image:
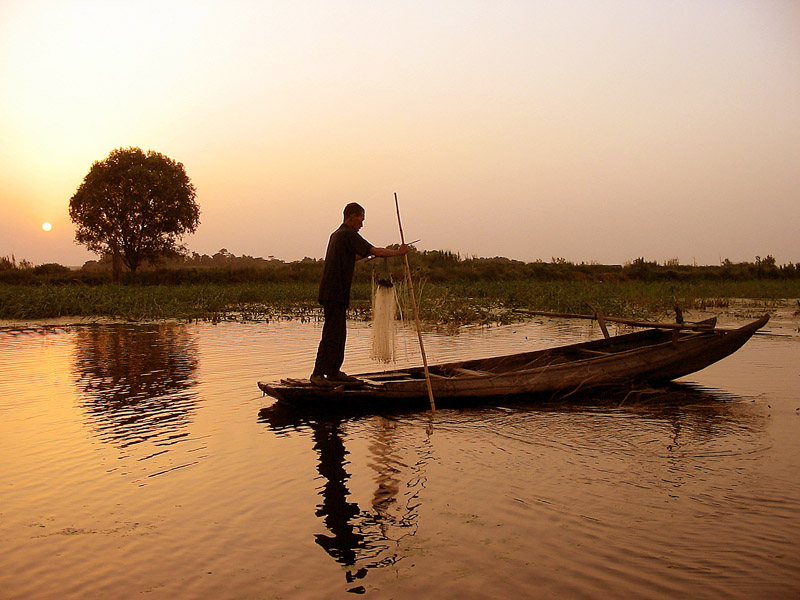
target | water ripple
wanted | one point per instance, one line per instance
(686, 491)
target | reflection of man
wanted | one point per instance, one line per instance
(358, 539)
(345, 247)
(337, 512)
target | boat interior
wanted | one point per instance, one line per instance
(499, 365)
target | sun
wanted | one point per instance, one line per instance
(47, 226)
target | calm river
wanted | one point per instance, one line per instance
(137, 461)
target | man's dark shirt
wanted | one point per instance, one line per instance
(340, 262)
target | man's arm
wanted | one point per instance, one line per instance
(388, 252)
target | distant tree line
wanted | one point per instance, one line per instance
(439, 266)
(134, 207)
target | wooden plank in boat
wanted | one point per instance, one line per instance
(591, 352)
(471, 372)
(390, 375)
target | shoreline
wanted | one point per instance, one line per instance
(784, 313)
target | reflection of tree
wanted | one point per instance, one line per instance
(361, 539)
(137, 381)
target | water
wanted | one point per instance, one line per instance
(136, 461)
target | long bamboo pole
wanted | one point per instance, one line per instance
(416, 312)
(649, 324)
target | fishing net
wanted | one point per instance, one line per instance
(384, 309)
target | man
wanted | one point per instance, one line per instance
(345, 247)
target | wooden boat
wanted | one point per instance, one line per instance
(663, 352)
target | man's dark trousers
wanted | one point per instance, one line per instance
(330, 354)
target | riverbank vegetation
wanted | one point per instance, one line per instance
(452, 289)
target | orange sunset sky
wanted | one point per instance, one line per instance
(592, 131)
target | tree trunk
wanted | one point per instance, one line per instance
(116, 263)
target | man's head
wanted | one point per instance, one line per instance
(354, 215)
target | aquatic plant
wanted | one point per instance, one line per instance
(441, 303)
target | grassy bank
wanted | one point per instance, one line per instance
(455, 302)
(135, 303)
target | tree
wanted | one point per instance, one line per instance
(134, 206)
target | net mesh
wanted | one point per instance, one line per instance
(384, 332)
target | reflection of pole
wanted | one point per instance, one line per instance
(386, 475)
(416, 312)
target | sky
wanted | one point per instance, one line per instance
(539, 129)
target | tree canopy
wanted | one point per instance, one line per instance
(134, 206)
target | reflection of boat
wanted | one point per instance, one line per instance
(686, 423)
(657, 354)
(693, 412)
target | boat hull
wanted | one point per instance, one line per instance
(650, 356)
